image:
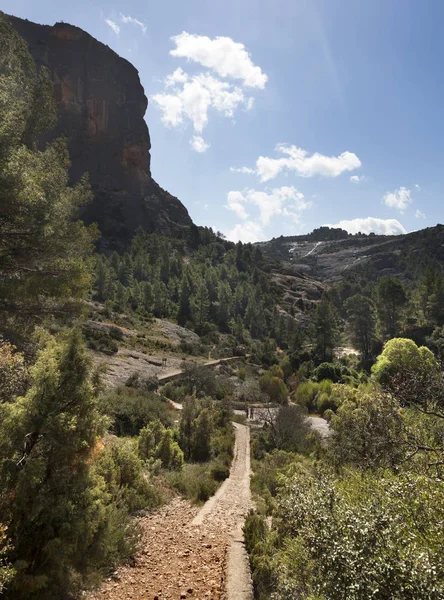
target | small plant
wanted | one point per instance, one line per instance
(220, 472)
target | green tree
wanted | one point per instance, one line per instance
(357, 538)
(361, 317)
(184, 310)
(201, 306)
(367, 432)
(325, 323)
(51, 500)
(391, 299)
(147, 295)
(224, 298)
(157, 442)
(403, 355)
(274, 387)
(43, 244)
(168, 452)
(435, 304)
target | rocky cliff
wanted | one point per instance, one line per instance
(101, 105)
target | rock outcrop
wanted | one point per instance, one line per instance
(101, 105)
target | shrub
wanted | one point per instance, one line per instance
(168, 452)
(100, 341)
(324, 402)
(122, 470)
(260, 551)
(305, 395)
(274, 387)
(131, 409)
(220, 472)
(329, 371)
(194, 481)
(372, 546)
(328, 415)
(116, 333)
(241, 374)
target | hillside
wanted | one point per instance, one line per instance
(306, 265)
(293, 388)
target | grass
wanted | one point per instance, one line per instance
(198, 481)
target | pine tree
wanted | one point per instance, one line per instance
(184, 311)
(361, 316)
(391, 299)
(147, 295)
(160, 299)
(51, 504)
(43, 244)
(325, 322)
(224, 298)
(201, 305)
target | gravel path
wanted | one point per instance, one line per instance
(191, 553)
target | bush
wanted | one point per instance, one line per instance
(328, 415)
(116, 333)
(100, 341)
(122, 470)
(241, 374)
(274, 387)
(13, 373)
(205, 431)
(132, 409)
(305, 395)
(260, 551)
(324, 402)
(372, 545)
(194, 482)
(157, 443)
(220, 472)
(329, 371)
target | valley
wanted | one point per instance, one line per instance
(183, 416)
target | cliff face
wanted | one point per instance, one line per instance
(101, 105)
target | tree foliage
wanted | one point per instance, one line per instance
(391, 299)
(43, 244)
(402, 354)
(362, 321)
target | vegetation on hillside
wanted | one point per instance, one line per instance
(356, 515)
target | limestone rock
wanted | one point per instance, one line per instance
(101, 106)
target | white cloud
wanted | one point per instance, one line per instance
(398, 199)
(286, 201)
(250, 103)
(372, 224)
(248, 232)
(298, 160)
(419, 215)
(199, 144)
(195, 97)
(178, 76)
(417, 187)
(113, 26)
(235, 202)
(242, 170)
(191, 97)
(133, 21)
(221, 54)
(358, 178)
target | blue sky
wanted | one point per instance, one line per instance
(272, 117)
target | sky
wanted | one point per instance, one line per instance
(273, 117)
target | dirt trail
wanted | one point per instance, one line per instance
(191, 553)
